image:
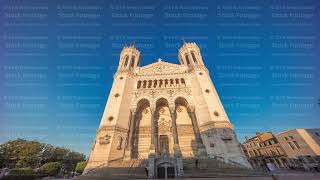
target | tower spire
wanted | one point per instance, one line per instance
(133, 44)
(183, 40)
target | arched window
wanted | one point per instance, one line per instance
(132, 61)
(139, 85)
(126, 61)
(183, 82)
(165, 82)
(155, 82)
(149, 83)
(144, 84)
(177, 82)
(181, 59)
(194, 58)
(161, 82)
(171, 82)
(187, 59)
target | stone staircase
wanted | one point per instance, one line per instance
(134, 169)
(118, 169)
(217, 168)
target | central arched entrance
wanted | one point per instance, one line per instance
(163, 145)
(165, 171)
(163, 130)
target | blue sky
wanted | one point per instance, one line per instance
(58, 59)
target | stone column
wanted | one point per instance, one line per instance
(153, 131)
(131, 130)
(200, 146)
(176, 146)
(152, 152)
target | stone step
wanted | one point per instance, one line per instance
(121, 170)
(219, 172)
(206, 168)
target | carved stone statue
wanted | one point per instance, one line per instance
(105, 139)
(120, 139)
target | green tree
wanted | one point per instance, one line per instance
(80, 166)
(21, 153)
(51, 168)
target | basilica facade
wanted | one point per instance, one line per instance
(164, 113)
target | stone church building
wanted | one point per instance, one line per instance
(163, 115)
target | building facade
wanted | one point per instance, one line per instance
(264, 149)
(302, 147)
(295, 149)
(164, 113)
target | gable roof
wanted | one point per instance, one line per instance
(160, 67)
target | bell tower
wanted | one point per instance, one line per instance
(189, 55)
(129, 58)
(216, 130)
(112, 134)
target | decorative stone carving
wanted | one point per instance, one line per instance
(161, 68)
(105, 139)
(162, 110)
(154, 94)
(170, 92)
(164, 125)
(120, 139)
(111, 128)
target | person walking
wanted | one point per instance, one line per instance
(146, 169)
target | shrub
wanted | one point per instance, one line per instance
(80, 166)
(50, 168)
(22, 172)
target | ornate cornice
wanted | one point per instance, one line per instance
(168, 93)
(112, 128)
(124, 72)
(215, 124)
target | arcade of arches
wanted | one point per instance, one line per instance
(169, 130)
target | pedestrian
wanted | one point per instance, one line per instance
(197, 163)
(147, 172)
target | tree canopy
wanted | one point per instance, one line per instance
(22, 153)
(80, 167)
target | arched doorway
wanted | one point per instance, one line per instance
(165, 171)
(163, 124)
(163, 144)
(142, 125)
(185, 128)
